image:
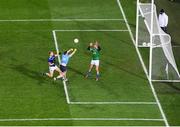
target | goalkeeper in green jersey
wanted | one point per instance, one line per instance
(94, 49)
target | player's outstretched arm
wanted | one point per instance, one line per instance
(57, 53)
(98, 46)
(70, 50)
(50, 63)
(74, 51)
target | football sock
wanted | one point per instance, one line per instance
(58, 77)
(88, 73)
(97, 75)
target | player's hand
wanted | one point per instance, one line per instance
(75, 50)
(96, 43)
(71, 49)
(91, 44)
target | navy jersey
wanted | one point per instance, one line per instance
(51, 60)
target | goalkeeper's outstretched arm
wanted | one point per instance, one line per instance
(73, 52)
(98, 46)
(90, 46)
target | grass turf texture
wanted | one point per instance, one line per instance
(24, 93)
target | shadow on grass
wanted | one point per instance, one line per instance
(76, 71)
(174, 86)
(167, 88)
(22, 69)
(125, 70)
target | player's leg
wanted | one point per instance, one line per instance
(60, 73)
(51, 72)
(64, 77)
(97, 70)
(97, 73)
(63, 70)
(61, 76)
(90, 68)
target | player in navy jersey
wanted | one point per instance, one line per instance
(52, 66)
(64, 61)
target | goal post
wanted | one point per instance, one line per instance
(161, 62)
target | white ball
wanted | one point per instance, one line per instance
(144, 43)
(76, 40)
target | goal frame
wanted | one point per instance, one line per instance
(151, 41)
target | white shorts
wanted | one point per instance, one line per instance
(51, 69)
(95, 62)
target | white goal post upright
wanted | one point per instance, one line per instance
(151, 37)
(137, 22)
(161, 62)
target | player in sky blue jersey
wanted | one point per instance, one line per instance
(64, 61)
(52, 66)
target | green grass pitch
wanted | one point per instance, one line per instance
(122, 96)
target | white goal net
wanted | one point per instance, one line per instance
(161, 61)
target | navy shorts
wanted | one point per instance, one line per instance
(63, 68)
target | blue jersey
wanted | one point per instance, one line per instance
(65, 59)
(51, 60)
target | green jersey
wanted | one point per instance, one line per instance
(95, 53)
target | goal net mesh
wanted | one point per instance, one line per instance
(163, 65)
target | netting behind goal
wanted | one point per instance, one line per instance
(162, 65)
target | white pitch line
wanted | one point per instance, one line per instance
(56, 20)
(56, 46)
(59, 60)
(175, 81)
(82, 119)
(115, 30)
(66, 92)
(141, 46)
(116, 103)
(176, 46)
(143, 65)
